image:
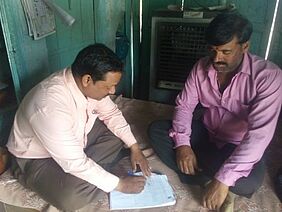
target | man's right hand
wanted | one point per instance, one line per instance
(186, 160)
(131, 184)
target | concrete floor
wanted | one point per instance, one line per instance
(10, 208)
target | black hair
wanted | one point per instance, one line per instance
(96, 60)
(225, 26)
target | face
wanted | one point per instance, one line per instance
(226, 58)
(100, 89)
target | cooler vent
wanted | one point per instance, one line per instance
(178, 43)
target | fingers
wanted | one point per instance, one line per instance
(134, 166)
(191, 166)
(196, 167)
(215, 195)
(131, 184)
(140, 160)
(144, 166)
(139, 183)
(187, 166)
(211, 205)
(186, 160)
(146, 170)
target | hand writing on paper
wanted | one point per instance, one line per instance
(131, 184)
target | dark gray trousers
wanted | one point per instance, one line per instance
(63, 190)
(209, 157)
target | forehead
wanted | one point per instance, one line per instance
(112, 77)
(228, 46)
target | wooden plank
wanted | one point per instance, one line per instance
(69, 40)
(28, 58)
(87, 20)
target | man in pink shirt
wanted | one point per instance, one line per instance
(241, 97)
(68, 133)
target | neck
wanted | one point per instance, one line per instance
(78, 82)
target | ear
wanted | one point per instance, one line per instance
(86, 80)
(245, 46)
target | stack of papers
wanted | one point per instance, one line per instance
(40, 19)
(157, 193)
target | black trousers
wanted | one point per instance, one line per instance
(65, 191)
(209, 157)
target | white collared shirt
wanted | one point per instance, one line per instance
(53, 120)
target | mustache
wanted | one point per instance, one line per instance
(219, 63)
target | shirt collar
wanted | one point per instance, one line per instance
(245, 65)
(78, 96)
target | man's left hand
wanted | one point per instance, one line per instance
(215, 195)
(138, 158)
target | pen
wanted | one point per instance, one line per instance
(130, 173)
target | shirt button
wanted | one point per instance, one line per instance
(93, 111)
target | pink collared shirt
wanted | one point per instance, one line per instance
(245, 114)
(53, 120)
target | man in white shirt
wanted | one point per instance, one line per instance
(67, 133)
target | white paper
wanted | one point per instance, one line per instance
(157, 193)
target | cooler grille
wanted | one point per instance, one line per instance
(178, 47)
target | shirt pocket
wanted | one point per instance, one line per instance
(236, 107)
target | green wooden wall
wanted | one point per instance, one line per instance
(259, 12)
(31, 61)
(97, 21)
(28, 59)
(112, 16)
(5, 72)
(64, 45)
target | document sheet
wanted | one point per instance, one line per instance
(157, 193)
